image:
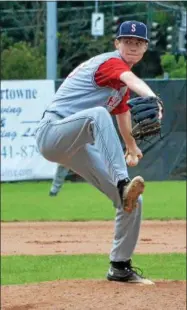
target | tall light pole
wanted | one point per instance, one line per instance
(96, 6)
(96, 11)
(51, 38)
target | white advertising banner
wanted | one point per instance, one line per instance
(22, 106)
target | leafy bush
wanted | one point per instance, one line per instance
(22, 61)
(175, 69)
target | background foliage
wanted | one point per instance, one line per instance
(23, 42)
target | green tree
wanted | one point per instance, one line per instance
(22, 61)
(83, 47)
(176, 68)
(23, 20)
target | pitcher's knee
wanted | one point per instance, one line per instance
(49, 155)
(101, 111)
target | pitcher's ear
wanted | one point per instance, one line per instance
(146, 46)
(116, 43)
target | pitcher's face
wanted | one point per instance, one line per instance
(131, 49)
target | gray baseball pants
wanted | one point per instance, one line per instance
(59, 178)
(87, 143)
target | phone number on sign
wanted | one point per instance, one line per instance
(24, 151)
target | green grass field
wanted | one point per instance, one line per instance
(29, 201)
(29, 269)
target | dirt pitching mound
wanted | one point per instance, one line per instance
(83, 295)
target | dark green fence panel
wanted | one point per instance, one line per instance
(165, 159)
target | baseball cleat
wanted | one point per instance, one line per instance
(128, 274)
(131, 193)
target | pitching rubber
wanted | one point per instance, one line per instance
(132, 192)
(142, 281)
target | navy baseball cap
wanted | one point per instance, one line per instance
(133, 29)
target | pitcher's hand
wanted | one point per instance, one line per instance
(134, 151)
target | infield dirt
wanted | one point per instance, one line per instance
(42, 238)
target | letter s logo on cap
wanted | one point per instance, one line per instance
(133, 28)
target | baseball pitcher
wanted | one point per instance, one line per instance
(77, 132)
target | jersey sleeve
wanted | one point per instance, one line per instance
(108, 73)
(122, 106)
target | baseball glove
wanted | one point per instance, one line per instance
(146, 113)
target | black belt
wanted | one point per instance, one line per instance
(53, 112)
